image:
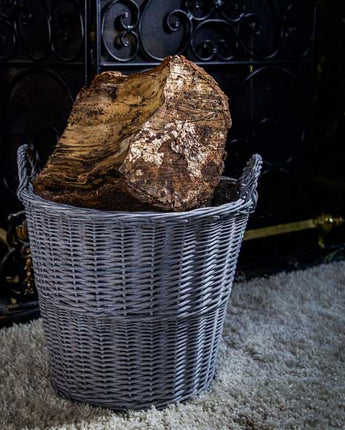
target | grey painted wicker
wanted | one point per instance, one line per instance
(133, 303)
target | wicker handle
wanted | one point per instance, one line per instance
(27, 160)
(247, 184)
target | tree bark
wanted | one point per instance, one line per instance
(152, 140)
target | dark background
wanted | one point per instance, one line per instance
(281, 63)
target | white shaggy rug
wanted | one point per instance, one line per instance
(281, 366)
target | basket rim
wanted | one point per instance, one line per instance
(29, 196)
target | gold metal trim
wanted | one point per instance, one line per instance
(3, 235)
(324, 223)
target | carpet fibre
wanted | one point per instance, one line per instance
(281, 366)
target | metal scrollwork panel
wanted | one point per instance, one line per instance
(299, 29)
(265, 113)
(119, 30)
(233, 10)
(39, 42)
(7, 40)
(164, 31)
(7, 8)
(214, 39)
(268, 119)
(41, 30)
(67, 29)
(207, 31)
(43, 64)
(31, 117)
(32, 27)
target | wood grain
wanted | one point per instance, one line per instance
(149, 140)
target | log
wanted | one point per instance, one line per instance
(152, 140)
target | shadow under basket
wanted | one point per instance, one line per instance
(133, 304)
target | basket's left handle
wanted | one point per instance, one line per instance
(247, 184)
(27, 160)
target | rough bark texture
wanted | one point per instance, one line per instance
(150, 140)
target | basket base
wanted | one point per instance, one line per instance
(123, 406)
(125, 365)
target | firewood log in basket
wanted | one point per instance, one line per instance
(152, 140)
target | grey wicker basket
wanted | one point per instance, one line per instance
(133, 304)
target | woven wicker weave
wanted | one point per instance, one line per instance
(133, 303)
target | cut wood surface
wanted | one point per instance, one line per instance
(152, 140)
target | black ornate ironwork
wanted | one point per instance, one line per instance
(33, 29)
(222, 48)
(67, 30)
(37, 30)
(213, 31)
(44, 61)
(7, 39)
(124, 34)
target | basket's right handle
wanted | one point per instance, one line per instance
(27, 160)
(247, 183)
